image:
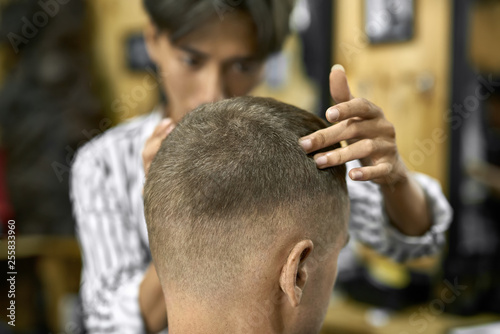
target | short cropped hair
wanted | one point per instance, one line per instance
(178, 18)
(231, 180)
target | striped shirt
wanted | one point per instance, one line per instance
(106, 191)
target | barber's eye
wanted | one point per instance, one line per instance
(244, 67)
(191, 61)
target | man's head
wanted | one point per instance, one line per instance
(237, 213)
(207, 50)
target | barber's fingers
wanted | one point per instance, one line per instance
(351, 129)
(359, 150)
(163, 128)
(357, 107)
(339, 87)
(153, 143)
(380, 171)
(351, 117)
(160, 132)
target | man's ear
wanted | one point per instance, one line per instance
(293, 276)
(152, 37)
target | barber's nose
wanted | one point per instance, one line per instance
(214, 89)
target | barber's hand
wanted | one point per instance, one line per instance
(153, 143)
(370, 136)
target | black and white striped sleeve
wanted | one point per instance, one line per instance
(113, 258)
(370, 224)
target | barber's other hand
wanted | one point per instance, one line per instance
(370, 136)
(153, 143)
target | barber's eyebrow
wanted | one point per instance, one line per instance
(201, 54)
(195, 52)
(348, 237)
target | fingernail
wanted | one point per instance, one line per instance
(357, 175)
(322, 160)
(166, 121)
(332, 114)
(170, 128)
(306, 144)
(338, 67)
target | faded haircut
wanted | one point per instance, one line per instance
(178, 18)
(228, 183)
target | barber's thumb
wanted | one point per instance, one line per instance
(339, 87)
(169, 129)
(166, 122)
(166, 126)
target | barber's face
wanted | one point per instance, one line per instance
(214, 62)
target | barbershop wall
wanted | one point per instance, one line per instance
(127, 92)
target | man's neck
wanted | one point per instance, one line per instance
(256, 318)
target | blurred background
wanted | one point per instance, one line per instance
(433, 66)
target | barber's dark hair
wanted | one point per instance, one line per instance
(180, 17)
(232, 180)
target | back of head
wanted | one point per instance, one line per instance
(230, 183)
